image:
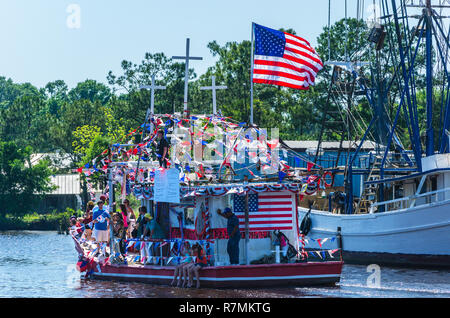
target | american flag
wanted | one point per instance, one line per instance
(268, 211)
(284, 59)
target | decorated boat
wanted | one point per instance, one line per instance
(262, 261)
(214, 163)
(185, 199)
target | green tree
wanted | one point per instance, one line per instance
(21, 185)
(27, 122)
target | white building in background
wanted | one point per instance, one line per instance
(68, 187)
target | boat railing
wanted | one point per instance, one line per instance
(402, 203)
(162, 251)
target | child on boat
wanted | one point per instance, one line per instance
(87, 222)
(185, 261)
(75, 228)
(119, 232)
(200, 262)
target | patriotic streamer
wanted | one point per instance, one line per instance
(222, 125)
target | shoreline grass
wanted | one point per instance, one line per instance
(55, 221)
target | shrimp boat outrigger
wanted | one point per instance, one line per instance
(184, 201)
(401, 215)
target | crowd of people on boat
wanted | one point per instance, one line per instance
(94, 226)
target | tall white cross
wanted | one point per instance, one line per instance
(214, 88)
(186, 75)
(152, 88)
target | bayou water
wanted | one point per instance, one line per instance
(42, 264)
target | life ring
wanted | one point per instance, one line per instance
(327, 185)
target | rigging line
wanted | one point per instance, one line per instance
(360, 122)
(407, 34)
(356, 121)
(344, 119)
(413, 78)
(386, 12)
(351, 114)
(445, 75)
(346, 32)
(329, 41)
(362, 10)
(357, 10)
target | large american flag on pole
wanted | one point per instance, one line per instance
(284, 59)
(268, 211)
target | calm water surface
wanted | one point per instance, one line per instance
(42, 264)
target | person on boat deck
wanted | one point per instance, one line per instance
(200, 262)
(123, 214)
(101, 223)
(186, 259)
(89, 208)
(234, 236)
(119, 231)
(162, 148)
(105, 205)
(141, 222)
(75, 228)
(87, 220)
(131, 217)
(283, 241)
(153, 230)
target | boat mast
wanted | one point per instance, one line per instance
(110, 205)
(429, 67)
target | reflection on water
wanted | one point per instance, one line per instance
(42, 264)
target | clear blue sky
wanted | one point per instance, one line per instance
(37, 46)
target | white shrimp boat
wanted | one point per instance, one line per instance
(413, 230)
(402, 215)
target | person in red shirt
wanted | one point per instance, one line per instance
(87, 234)
(200, 262)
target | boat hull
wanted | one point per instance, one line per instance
(237, 276)
(412, 237)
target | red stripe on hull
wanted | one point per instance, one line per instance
(240, 276)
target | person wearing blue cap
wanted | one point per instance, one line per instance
(234, 236)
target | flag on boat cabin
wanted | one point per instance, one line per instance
(268, 211)
(284, 59)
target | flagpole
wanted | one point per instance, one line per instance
(251, 77)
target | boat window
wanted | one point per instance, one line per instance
(433, 180)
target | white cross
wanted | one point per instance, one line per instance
(152, 88)
(214, 88)
(186, 75)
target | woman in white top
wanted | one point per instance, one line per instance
(131, 217)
